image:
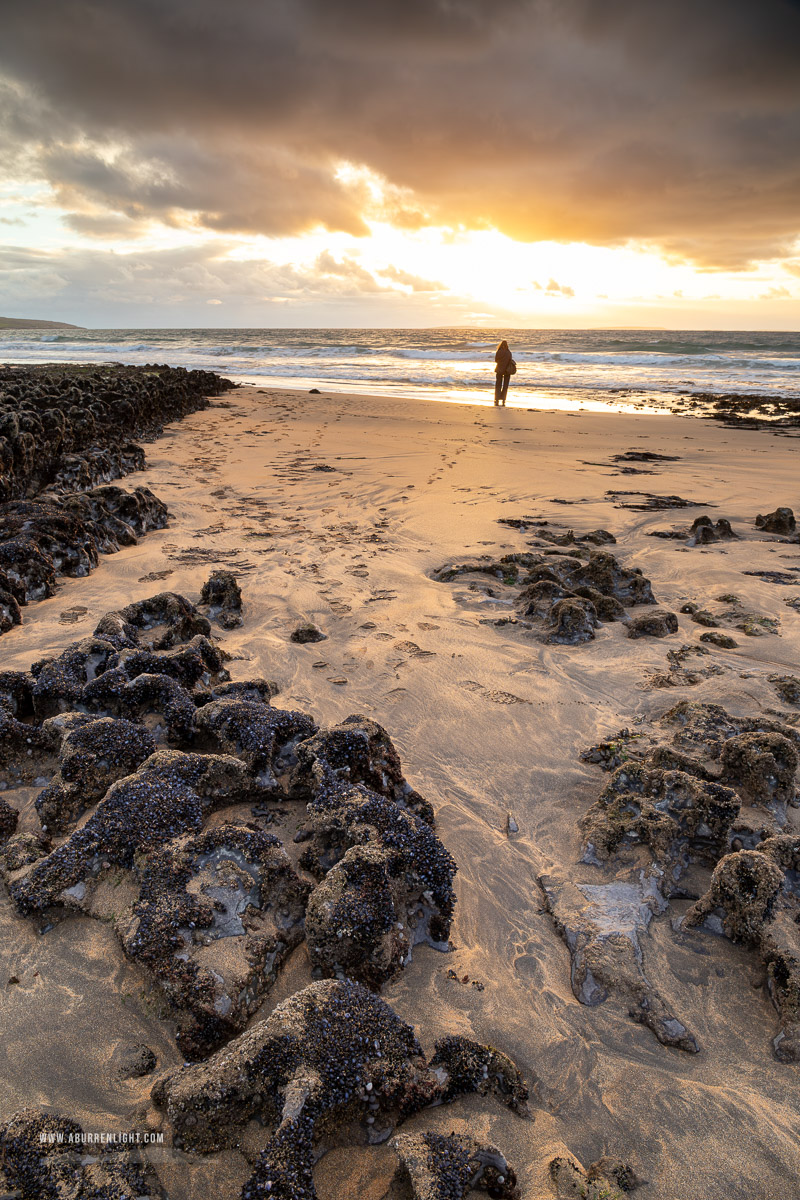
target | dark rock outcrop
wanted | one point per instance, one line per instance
(307, 632)
(223, 596)
(46, 1157)
(754, 898)
(331, 1059)
(136, 833)
(659, 623)
(387, 884)
(564, 596)
(781, 521)
(70, 427)
(435, 1167)
(763, 768)
(679, 817)
(63, 432)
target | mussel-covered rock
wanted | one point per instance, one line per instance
(265, 738)
(436, 1167)
(677, 816)
(658, 623)
(781, 521)
(170, 794)
(223, 598)
(562, 595)
(307, 632)
(573, 621)
(47, 1157)
(358, 750)
(216, 916)
(763, 768)
(92, 756)
(330, 1059)
(392, 886)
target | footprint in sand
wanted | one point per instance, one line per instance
(496, 697)
(413, 650)
(70, 615)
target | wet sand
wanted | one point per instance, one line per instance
(487, 719)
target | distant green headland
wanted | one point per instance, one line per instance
(26, 323)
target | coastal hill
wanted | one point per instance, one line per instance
(32, 323)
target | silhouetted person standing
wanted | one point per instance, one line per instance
(503, 370)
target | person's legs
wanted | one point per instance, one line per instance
(504, 389)
(498, 383)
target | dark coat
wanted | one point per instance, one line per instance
(503, 360)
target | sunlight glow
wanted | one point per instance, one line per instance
(444, 274)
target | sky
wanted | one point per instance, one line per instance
(553, 163)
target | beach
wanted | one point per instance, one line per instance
(341, 510)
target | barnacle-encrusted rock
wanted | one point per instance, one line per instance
(158, 701)
(47, 1157)
(10, 602)
(704, 729)
(605, 573)
(447, 1168)
(170, 794)
(332, 1057)
(602, 925)
(216, 916)
(754, 897)
(167, 619)
(211, 908)
(59, 684)
(563, 595)
(704, 531)
(8, 820)
(122, 516)
(188, 663)
(21, 850)
(763, 768)
(64, 535)
(607, 1179)
(723, 640)
(472, 1068)
(16, 693)
(259, 690)
(92, 756)
(780, 950)
(133, 1060)
(358, 750)
(742, 895)
(678, 816)
(27, 569)
(574, 621)
(307, 632)
(27, 752)
(223, 596)
(787, 687)
(388, 884)
(659, 623)
(70, 427)
(780, 521)
(265, 738)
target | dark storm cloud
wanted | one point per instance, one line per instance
(677, 123)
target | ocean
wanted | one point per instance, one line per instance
(578, 368)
